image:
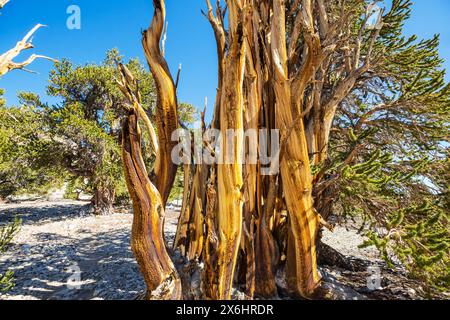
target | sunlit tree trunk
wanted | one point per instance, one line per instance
(230, 175)
(147, 240)
(147, 236)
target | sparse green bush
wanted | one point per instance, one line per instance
(7, 234)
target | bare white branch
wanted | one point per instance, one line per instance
(6, 60)
(2, 3)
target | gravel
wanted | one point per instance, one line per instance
(63, 252)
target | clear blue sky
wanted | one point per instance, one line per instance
(114, 23)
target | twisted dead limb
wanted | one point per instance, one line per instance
(2, 3)
(166, 112)
(6, 60)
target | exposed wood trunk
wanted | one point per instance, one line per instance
(166, 119)
(147, 236)
(302, 274)
(229, 173)
(103, 201)
(149, 199)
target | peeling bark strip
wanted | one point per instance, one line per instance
(167, 119)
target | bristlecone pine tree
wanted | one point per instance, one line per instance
(6, 65)
(10, 146)
(339, 82)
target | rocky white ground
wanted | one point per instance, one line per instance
(60, 243)
(61, 240)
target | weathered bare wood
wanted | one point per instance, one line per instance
(135, 101)
(230, 175)
(147, 236)
(6, 60)
(3, 3)
(167, 119)
(219, 33)
(303, 276)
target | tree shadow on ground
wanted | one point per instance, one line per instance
(31, 213)
(103, 262)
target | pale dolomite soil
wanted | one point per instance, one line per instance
(346, 240)
(61, 238)
(58, 237)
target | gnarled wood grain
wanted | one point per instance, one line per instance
(166, 111)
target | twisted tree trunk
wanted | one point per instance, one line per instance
(149, 198)
(244, 221)
(147, 236)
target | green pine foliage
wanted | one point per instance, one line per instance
(7, 234)
(85, 126)
(389, 162)
(76, 140)
(24, 152)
